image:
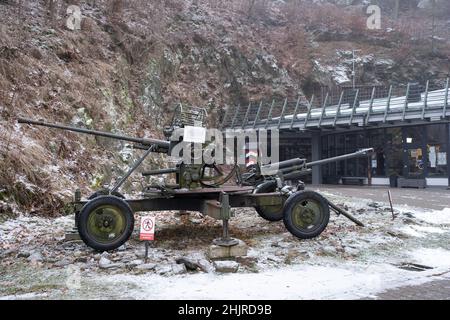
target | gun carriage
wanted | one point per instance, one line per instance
(105, 220)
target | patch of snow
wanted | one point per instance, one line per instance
(420, 231)
(299, 282)
(436, 258)
(436, 216)
(411, 231)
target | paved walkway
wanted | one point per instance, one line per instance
(430, 198)
(434, 290)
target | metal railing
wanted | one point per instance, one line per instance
(347, 107)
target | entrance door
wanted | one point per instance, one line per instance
(415, 163)
(414, 152)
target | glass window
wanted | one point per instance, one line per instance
(332, 153)
(340, 143)
(325, 168)
(378, 159)
(415, 163)
(350, 146)
(361, 162)
(394, 151)
(413, 136)
(437, 150)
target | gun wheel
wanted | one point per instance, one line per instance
(272, 213)
(105, 223)
(306, 214)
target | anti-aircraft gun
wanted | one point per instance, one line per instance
(105, 219)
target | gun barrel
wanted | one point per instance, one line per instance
(360, 153)
(284, 164)
(159, 171)
(163, 146)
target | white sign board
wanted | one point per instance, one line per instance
(147, 231)
(442, 159)
(432, 157)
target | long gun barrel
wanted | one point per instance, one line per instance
(294, 168)
(359, 153)
(162, 146)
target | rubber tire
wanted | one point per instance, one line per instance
(268, 187)
(92, 205)
(300, 197)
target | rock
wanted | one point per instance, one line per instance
(226, 266)
(62, 263)
(178, 268)
(122, 248)
(329, 250)
(165, 269)
(196, 221)
(205, 265)
(23, 254)
(35, 257)
(7, 252)
(81, 259)
(397, 234)
(215, 252)
(77, 254)
(239, 250)
(72, 236)
(104, 263)
(285, 245)
(408, 215)
(189, 264)
(146, 266)
(218, 252)
(140, 253)
(305, 254)
(135, 263)
(374, 205)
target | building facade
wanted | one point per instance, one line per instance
(411, 152)
(408, 127)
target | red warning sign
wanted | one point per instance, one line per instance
(147, 228)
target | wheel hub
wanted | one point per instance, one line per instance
(307, 214)
(106, 223)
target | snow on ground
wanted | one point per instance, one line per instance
(436, 216)
(345, 262)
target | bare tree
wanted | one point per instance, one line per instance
(51, 6)
(433, 26)
(396, 8)
(116, 9)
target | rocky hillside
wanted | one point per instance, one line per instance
(133, 61)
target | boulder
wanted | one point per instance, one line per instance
(227, 266)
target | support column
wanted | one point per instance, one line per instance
(316, 150)
(448, 155)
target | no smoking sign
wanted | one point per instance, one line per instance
(147, 231)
